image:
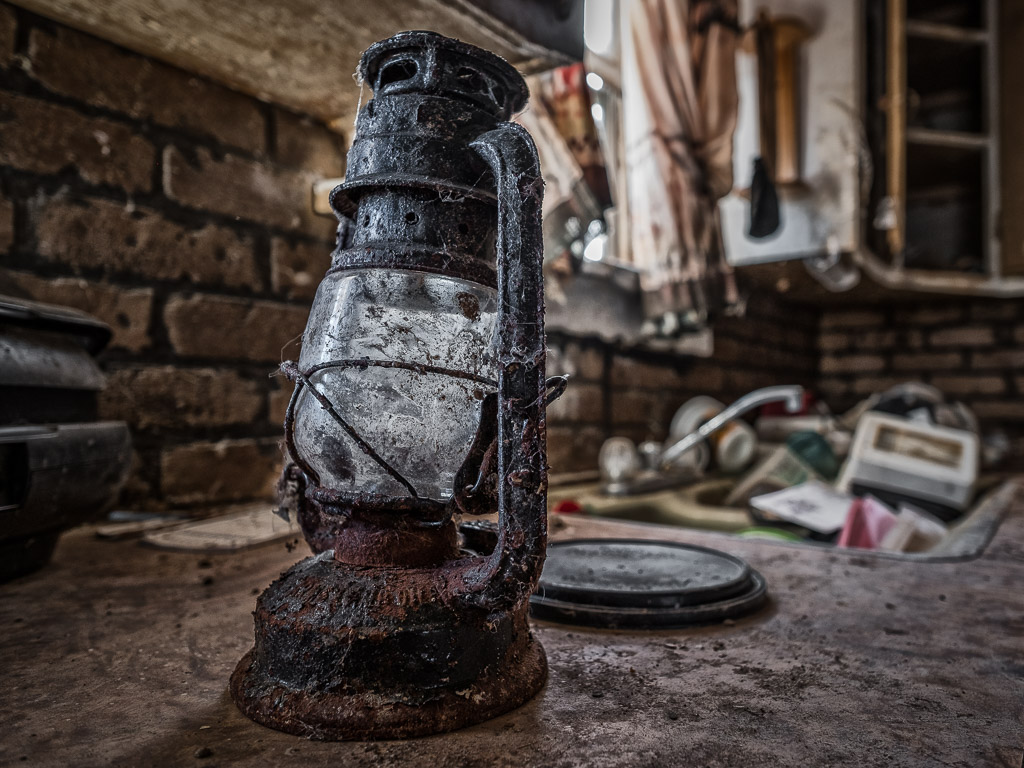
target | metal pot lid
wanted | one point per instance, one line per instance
(640, 583)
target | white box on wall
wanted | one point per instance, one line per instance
(831, 136)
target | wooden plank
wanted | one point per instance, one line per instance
(947, 32)
(301, 54)
(951, 139)
(993, 194)
(790, 33)
(896, 128)
(1011, 117)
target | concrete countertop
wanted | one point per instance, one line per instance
(119, 655)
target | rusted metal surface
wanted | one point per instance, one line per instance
(59, 465)
(378, 652)
(392, 630)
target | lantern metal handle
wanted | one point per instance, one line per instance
(510, 573)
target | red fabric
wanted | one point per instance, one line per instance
(867, 522)
(567, 507)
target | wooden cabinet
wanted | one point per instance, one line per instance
(935, 81)
(1011, 130)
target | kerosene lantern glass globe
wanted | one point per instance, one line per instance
(421, 423)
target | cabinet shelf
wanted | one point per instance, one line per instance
(951, 139)
(947, 32)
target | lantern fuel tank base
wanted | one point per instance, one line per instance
(361, 653)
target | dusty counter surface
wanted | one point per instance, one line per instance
(119, 655)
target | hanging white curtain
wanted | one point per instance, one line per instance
(679, 113)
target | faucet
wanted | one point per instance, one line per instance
(660, 472)
(792, 394)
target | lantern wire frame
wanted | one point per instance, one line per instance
(303, 379)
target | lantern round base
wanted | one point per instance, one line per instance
(363, 717)
(354, 663)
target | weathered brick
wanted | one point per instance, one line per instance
(579, 403)
(170, 397)
(585, 362)
(749, 329)
(876, 341)
(781, 360)
(573, 449)
(930, 315)
(8, 31)
(101, 74)
(869, 385)
(246, 189)
(234, 329)
(967, 336)
(140, 490)
(581, 363)
(297, 269)
(1002, 358)
(228, 470)
(1015, 460)
(730, 350)
(779, 313)
(799, 338)
(304, 143)
(634, 406)
(998, 309)
(739, 381)
(628, 372)
(706, 376)
(47, 138)
(277, 400)
(831, 388)
(852, 318)
(835, 341)
(852, 363)
(125, 310)
(6, 223)
(970, 385)
(1008, 410)
(927, 361)
(97, 234)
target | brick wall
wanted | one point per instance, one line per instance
(177, 211)
(635, 393)
(973, 350)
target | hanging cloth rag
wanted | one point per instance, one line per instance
(680, 102)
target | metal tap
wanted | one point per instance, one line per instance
(792, 394)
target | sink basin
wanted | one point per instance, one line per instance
(700, 506)
(678, 507)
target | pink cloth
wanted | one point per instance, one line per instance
(867, 522)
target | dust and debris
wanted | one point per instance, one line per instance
(469, 304)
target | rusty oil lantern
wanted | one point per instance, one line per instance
(419, 397)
